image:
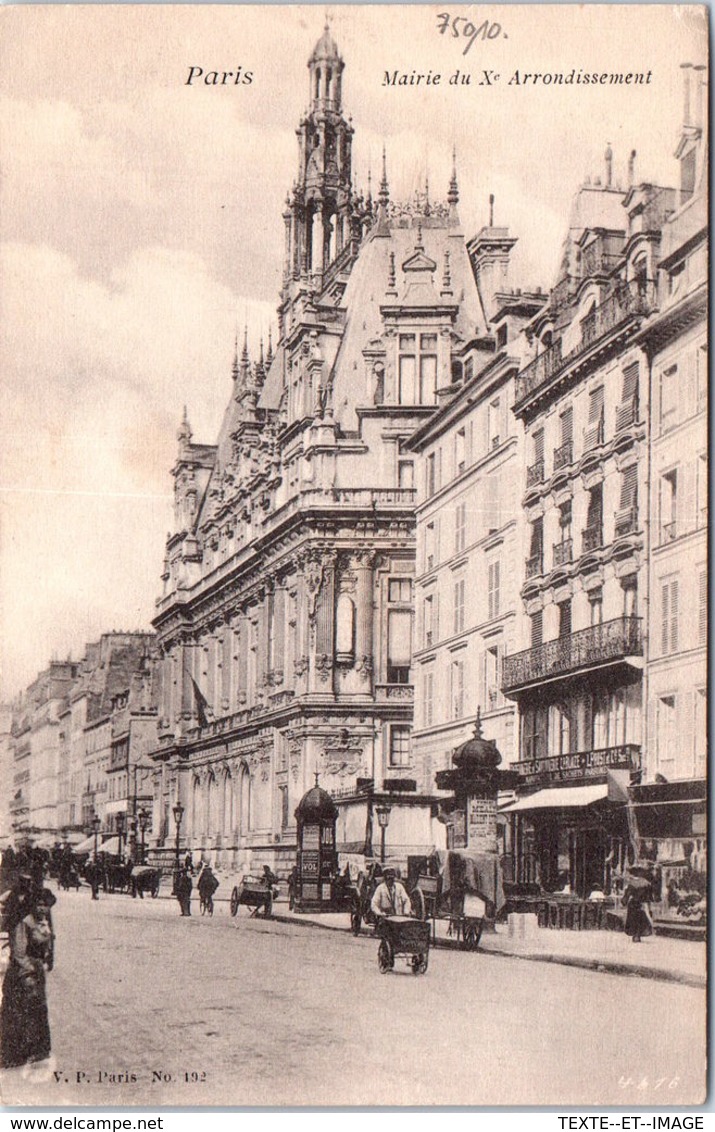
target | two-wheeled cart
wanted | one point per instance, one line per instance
(255, 894)
(403, 936)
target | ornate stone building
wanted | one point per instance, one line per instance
(285, 624)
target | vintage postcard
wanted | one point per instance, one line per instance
(353, 572)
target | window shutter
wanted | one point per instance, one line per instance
(630, 382)
(702, 607)
(665, 617)
(595, 508)
(629, 486)
(674, 616)
(537, 629)
(537, 538)
(595, 405)
(539, 446)
(567, 426)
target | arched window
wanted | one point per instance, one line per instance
(345, 630)
(212, 818)
(229, 804)
(195, 808)
(244, 800)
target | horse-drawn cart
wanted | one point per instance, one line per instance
(255, 893)
(460, 886)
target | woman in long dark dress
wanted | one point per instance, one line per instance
(637, 894)
(24, 1021)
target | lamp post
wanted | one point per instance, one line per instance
(178, 815)
(94, 876)
(383, 820)
(119, 821)
(143, 822)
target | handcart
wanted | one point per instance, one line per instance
(255, 893)
(403, 935)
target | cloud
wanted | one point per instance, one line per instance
(95, 378)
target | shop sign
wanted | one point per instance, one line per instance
(482, 824)
(582, 766)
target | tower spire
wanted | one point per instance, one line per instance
(453, 191)
(384, 193)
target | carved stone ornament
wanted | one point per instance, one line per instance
(364, 666)
(324, 666)
(348, 582)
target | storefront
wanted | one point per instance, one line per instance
(572, 822)
(670, 825)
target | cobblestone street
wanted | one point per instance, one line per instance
(257, 1012)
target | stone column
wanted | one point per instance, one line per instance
(365, 617)
(322, 613)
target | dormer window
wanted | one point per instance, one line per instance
(417, 369)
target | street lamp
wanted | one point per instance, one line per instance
(143, 822)
(96, 822)
(119, 821)
(383, 820)
(178, 815)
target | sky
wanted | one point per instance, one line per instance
(140, 229)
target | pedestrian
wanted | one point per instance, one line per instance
(93, 875)
(390, 898)
(182, 890)
(207, 885)
(24, 1019)
(636, 897)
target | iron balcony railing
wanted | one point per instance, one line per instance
(628, 300)
(609, 641)
(535, 474)
(534, 565)
(563, 552)
(591, 538)
(563, 455)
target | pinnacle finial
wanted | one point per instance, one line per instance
(609, 165)
(447, 278)
(453, 192)
(384, 194)
(184, 433)
(427, 205)
(419, 246)
(491, 210)
(317, 775)
(478, 724)
(391, 278)
(234, 368)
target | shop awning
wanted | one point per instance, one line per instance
(560, 798)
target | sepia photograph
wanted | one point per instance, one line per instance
(353, 555)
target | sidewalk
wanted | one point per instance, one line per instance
(670, 960)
